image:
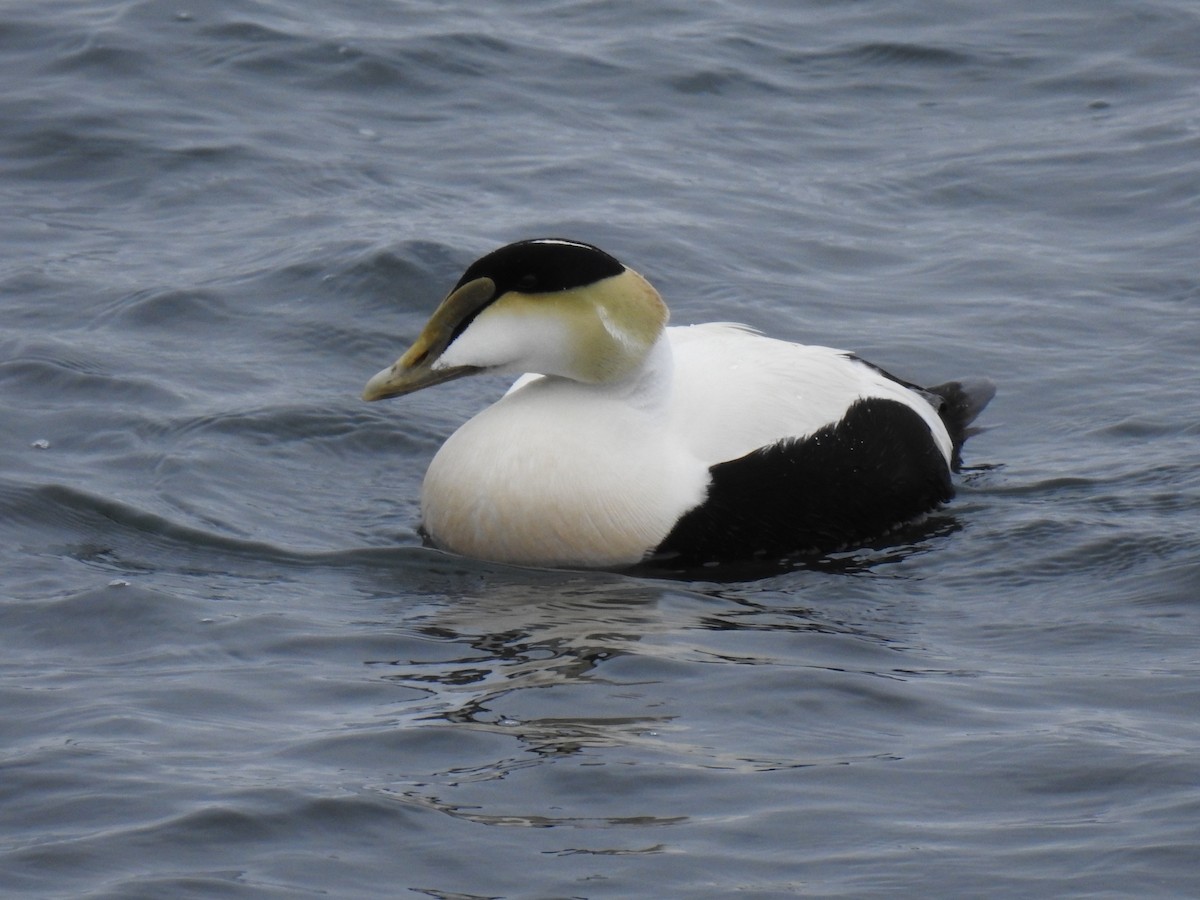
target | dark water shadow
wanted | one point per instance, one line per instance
(900, 544)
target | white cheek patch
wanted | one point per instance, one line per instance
(508, 341)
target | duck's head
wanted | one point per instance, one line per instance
(549, 306)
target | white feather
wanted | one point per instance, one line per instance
(736, 390)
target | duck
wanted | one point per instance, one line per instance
(625, 440)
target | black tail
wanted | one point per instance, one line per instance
(961, 402)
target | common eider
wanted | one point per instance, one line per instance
(635, 441)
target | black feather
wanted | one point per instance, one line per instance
(850, 481)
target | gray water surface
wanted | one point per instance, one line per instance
(229, 667)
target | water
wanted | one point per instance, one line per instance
(229, 668)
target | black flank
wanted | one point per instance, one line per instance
(848, 482)
(957, 403)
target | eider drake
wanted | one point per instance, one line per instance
(635, 441)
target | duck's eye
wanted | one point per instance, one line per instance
(527, 284)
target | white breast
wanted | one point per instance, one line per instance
(557, 473)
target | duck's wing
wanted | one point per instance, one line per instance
(855, 479)
(736, 391)
(808, 448)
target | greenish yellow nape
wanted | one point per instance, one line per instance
(609, 325)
